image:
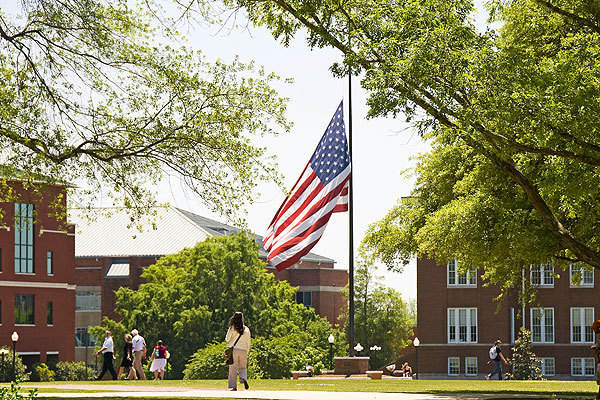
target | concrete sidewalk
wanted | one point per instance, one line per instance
(116, 391)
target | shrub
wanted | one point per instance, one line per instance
(207, 363)
(14, 392)
(73, 371)
(525, 364)
(6, 365)
(271, 358)
(41, 373)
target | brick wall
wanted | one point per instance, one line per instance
(50, 234)
(495, 320)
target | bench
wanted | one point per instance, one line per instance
(299, 374)
(374, 374)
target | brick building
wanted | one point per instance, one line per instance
(37, 275)
(109, 255)
(458, 321)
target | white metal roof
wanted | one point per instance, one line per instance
(106, 233)
(110, 235)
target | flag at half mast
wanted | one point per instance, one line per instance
(321, 190)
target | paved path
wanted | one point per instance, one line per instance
(116, 391)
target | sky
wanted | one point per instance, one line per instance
(382, 147)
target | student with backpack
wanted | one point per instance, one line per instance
(497, 357)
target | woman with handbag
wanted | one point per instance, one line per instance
(238, 338)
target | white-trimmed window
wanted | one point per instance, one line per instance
(457, 279)
(470, 366)
(24, 309)
(583, 367)
(24, 227)
(453, 366)
(542, 325)
(548, 368)
(462, 325)
(49, 263)
(542, 274)
(581, 275)
(581, 320)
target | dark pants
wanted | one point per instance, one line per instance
(498, 369)
(108, 365)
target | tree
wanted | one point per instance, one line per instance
(89, 96)
(511, 113)
(381, 317)
(188, 298)
(525, 364)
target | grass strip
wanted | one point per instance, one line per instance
(570, 388)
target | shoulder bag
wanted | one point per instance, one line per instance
(229, 352)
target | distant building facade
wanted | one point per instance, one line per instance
(110, 256)
(37, 275)
(458, 321)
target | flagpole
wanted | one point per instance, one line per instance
(350, 222)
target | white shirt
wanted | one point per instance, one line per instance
(138, 343)
(108, 345)
(232, 335)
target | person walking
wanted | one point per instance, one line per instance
(596, 349)
(497, 357)
(238, 337)
(159, 360)
(127, 361)
(108, 352)
(139, 352)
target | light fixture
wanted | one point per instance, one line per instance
(331, 339)
(15, 337)
(416, 342)
(358, 348)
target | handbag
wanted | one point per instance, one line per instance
(229, 352)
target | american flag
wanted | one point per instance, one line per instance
(321, 190)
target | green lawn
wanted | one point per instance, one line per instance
(573, 388)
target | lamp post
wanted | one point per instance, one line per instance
(374, 349)
(331, 339)
(3, 352)
(358, 348)
(15, 339)
(167, 356)
(417, 343)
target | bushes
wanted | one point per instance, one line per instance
(525, 364)
(207, 363)
(273, 358)
(14, 392)
(73, 371)
(6, 364)
(41, 373)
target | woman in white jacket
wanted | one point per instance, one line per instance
(239, 332)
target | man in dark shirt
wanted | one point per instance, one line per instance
(498, 361)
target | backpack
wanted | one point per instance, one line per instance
(493, 352)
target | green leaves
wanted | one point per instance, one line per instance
(189, 297)
(87, 98)
(381, 317)
(513, 175)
